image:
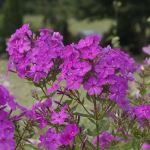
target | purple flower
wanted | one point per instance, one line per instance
(105, 138)
(93, 86)
(7, 144)
(4, 95)
(40, 112)
(90, 53)
(89, 47)
(46, 48)
(6, 98)
(124, 104)
(72, 129)
(104, 71)
(69, 133)
(69, 52)
(81, 68)
(6, 132)
(60, 117)
(147, 61)
(20, 41)
(88, 41)
(142, 112)
(19, 48)
(53, 89)
(50, 140)
(32, 57)
(145, 146)
(66, 138)
(85, 63)
(146, 49)
(74, 82)
(118, 92)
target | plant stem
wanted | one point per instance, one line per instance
(22, 135)
(84, 107)
(76, 99)
(97, 123)
(43, 91)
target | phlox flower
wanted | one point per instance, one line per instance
(105, 138)
(145, 146)
(69, 133)
(60, 117)
(93, 86)
(142, 112)
(50, 140)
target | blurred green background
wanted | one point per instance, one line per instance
(124, 23)
(128, 20)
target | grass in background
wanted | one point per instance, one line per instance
(18, 87)
(100, 27)
(75, 26)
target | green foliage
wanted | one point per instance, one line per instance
(56, 13)
(123, 146)
(12, 16)
(104, 125)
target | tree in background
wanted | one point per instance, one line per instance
(12, 19)
(57, 13)
(130, 15)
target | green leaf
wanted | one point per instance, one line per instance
(82, 115)
(88, 97)
(31, 147)
(83, 100)
(91, 132)
(74, 108)
(143, 91)
(92, 121)
(136, 144)
(137, 133)
(123, 146)
(68, 102)
(43, 97)
(90, 146)
(104, 125)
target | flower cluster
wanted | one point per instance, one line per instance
(40, 112)
(85, 63)
(52, 140)
(97, 69)
(44, 114)
(77, 61)
(33, 57)
(65, 70)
